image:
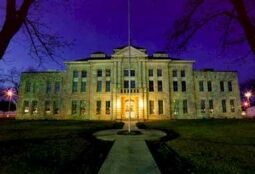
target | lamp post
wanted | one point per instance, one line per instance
(248, 95)
(9, 94)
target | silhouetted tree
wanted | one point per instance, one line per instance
(229, 14)
(16, 17)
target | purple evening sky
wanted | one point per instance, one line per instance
(101, 25)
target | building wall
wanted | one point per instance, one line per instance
(180, 87)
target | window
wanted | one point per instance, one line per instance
(183, 73)
(108, 73)
(150, 72)
(57, 87)
(232, 105)
(48, 88)
(107, 107)
(34, 107)
(82, 107)
(126, 73)
(160, 86)
(211, 106)
(160, 107)
(174, 73)
(185, 106)
(224, 107)
(230, 86)
(151, 103)
(132, 83)
(56, 107)
(99, 86)
(176, 107)
(83, 86)
(183, 86)
(159, 72)
(75, 74)
(47, 107)
(151, 86)
(175, 85)
(74, 107)
(132, 73)
(221, 86)
(126, 84)
(99, 73)
(83, 74)
(209, 86)
(201, 86)
(26, 107)
(202, 106)
(99, 107)
(28, 87)
(107, 86)
(75, 87)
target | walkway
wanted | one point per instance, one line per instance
(129, 153)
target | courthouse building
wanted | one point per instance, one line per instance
(97, 88)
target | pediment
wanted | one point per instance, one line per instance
(124, 52)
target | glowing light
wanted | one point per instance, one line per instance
(9, 93)
(246, 104)
(118, 103)
(243, 113)
(141, 103)
(248, 94)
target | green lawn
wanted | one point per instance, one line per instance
(52, 146)
(211, 146)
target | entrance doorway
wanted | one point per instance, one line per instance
(131, 108)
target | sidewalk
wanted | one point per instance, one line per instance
(129, 153)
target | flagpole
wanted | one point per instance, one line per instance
(129, 66)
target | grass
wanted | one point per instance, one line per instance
(52, 146)
(210, 146)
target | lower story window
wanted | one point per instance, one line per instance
(56, 107)
(74, 107)
(176, 107)
(224, 107)
(34, 107)
(47, 107)
(83, 109)
(151, 102)
(99, 107)
(202, 106)
(107, 107)
(160, 107)
(185, 106)
(232, 105)
(26, 107)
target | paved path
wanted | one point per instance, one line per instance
(129, 153)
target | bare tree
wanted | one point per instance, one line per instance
(229, 14)
(42, 43)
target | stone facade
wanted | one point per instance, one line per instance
(96, 88)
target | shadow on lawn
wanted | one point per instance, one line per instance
(166, 158)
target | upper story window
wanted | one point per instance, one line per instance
(160, 86)
(83, 86)
(183, 73)
(221, 86)
(48, 88)
(99, 73)
(126, 84)
(132, 83)
(28, 86)
(75, 74)
(132, 73)
(209, 86)
(184, 86)
(107, 72)
(175, 85)
(159, 72)
(126, 73)
(57, 87)
(75, 87)
(83, 74)
(175, 73)
(230, 88)
(151, 86)
(99, 86)
(150, 72)
(107, 86)
(201, 86)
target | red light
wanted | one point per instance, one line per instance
(246, 104)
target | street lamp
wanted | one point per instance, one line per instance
(9, 94)
(248, 95)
